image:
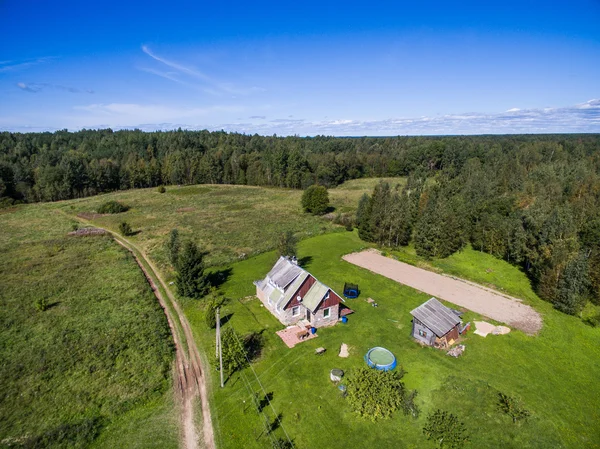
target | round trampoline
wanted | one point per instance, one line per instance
(381, 359)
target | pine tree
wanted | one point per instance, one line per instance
(363, 218)
(173, 245)
(191, 280)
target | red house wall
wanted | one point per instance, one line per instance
(303, 290)
(331, 301)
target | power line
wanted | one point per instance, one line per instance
(253, 396)
(263, 389)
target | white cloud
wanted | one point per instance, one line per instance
(209, 84)
(9, 66)
(37, 87)
(580, 118)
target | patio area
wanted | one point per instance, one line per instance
(292, 335)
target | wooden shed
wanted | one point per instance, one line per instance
(435, 324)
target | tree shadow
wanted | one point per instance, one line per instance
(263, 402)
(218, 277)
(225, 319)
(305, 261)
(132, 233)
(52, 305)
(253, 344)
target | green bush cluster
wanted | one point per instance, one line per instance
(112, 207)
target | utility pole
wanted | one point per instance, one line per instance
(219, 348)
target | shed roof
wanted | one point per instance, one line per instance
(436, 316)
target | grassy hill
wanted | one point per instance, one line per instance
(230, 222)
(95, 366)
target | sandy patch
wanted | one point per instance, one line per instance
(344, 351)
(479, 299)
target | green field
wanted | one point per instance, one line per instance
(95, 366)
(553, 373)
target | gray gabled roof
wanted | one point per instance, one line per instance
(284, 272)
(436, 316)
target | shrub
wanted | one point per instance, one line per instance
(377, 394)
(315, 200)
(446, 430)
(512, 407)
(125, 229)
(112, 207)
(42, 304)
(161, 189)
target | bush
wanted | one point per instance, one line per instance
(161, 189)
(377, 394)
(446, 430)
(112, 207)
(125, 229)
(315, 200)
(42, 304)
(512, 407)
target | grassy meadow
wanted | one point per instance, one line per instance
(554, 373)
(94, 368)
(229, 222)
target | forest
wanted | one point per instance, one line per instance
(533, 200)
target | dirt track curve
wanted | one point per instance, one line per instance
(483, 300)
(190, 381)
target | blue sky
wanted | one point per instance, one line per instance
(334, 68)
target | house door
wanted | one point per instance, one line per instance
(308, 315)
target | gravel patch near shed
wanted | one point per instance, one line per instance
(479, 299)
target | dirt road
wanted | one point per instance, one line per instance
(485, 301)
(190, 381)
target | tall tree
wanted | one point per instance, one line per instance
(286, 244)
(191, 280)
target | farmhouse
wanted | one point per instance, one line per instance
(293, 294)
(435, 324)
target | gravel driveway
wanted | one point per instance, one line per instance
(485, 301)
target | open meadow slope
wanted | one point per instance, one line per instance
(553, 373)
(230, 222)
(86, 351)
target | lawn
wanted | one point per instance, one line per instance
(553, 373)
(95, 366)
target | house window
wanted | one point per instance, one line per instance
(327, 312)
(327, 295)
(295, 311)
(422, 333)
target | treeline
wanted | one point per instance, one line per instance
(63, 165)
(536, 206)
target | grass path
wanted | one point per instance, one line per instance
(189, 368)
